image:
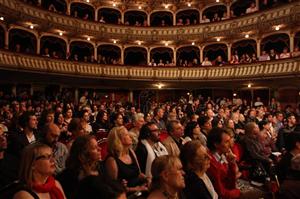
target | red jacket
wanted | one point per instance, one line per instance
(223, 177)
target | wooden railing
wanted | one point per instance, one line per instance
(266, 70)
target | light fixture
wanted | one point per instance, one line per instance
(166, 6)
(217, 1)
(218, 39)
(246, 36)
(139, 43)
(2, 18)
(193, 43)
(60, 33)
(88, 1)
(159, 85)
(249, 85)
(234, 94)
(31, 26)
(189, 4)
(188, 93)
(114, 4)
(88, 39)
(277, 28)
(166, 44)
(140, 7)
(115, 41)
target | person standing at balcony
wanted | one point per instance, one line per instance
(296, 52)
(264, 56)
(46, 52)
(285, 54)
(216, 17)
(252, 8)
(205, 19)
(206, 62)
(273, 55)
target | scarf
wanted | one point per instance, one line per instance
(49, 187)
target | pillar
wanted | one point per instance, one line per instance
(122, 55)
(31, 90)
(113, 96)
(38, 46)
(96, 15)
(174, 19)
(131, 96)
(148, 19)
(258, 42)
(292, 40)
(14, 90)
(201, 54)
(148, 56)
(229, 51)
(175, 57)
(95, 52)
(200, 16)
(68, 8)
(257, 4)
(6, 40)
(122, 17)
(68, 54)
(228, 10)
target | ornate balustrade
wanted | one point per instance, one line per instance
(260, 70)
(286, 14)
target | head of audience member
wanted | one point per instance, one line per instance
(50, 134)
(229, 124)
(28, 121)
(102, 117)
(192, 130)
(218, 140)
(158, 113)
(279, 116)
(58, 118)
(118, 119)
(69, 113)
(251, 129)
(194, 157)
(76, 128)
(291, 120)
(150, 132)
(293, 142)
(138, 120)
(205, 124)
(85, 154)
(167, 175)
(175, 129)
(264, 125)
(119, 141)
(3, 140)
(37, 163)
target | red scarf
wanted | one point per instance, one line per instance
(49, 187)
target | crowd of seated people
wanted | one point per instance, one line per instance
(265, 4)
(179, 149)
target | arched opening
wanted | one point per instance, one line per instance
(109, 15)
(215, 13)
(244, 49)
(277, 42)
(135, 56)
(22, 41)
(161, 18)
(161, 56)
(213, 51)
(239, 7)
(55, 5)
(2, 37)
(56, 47)
(83, 11)
(135, 18)
(297, 40)
(109, 54)
(187, 17)
(81, 51)
(188, 56)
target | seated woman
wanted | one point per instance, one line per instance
(167, 178)
(196, 161)
(122, 163)
(193, 131)
(84, 160)
(36, 170)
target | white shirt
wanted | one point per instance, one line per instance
(209, 186)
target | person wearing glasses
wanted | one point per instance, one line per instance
(196, 161)
(149, 147)
(36, 170)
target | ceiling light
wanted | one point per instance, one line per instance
(140, 7)
(88, 1)
(189, 4)
(159, 85)
(249, 85)
(166, 44)
(166, 6)
(115, 41)
(193, 43)
(188, 93)
(31, 26)
(114, 4)
(88, 39)
(218, 39)
(2, 18)
(234, 94)
(139, 42)
(60, 33)
(217, 1)
(247, 36)
(277, 28)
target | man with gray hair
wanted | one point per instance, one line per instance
(138, 121)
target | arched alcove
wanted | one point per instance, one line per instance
(161, 18)
(55, 5)
(189, 17)
(212, 51)
(247, 46)
(240, 6)
(2, 37)
(83, 11)
(109, 54)
(81, 49)
(135, 56)
(218, 10)
(188, 53)
(135, 17)
(276, 42)
(22, 41)
(297, 39)
(162, 53)
(53, 44)
(110, 15)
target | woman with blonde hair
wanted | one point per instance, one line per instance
(167, 178)
(36, 170)
(122, 163)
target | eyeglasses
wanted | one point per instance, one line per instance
(45, 157)
(4, 135)
(155, 130)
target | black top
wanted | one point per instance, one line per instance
(142, 154)
(284, 166)
(195, 188)
(9, 167)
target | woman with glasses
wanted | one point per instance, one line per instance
(36, 170)
(196, 161)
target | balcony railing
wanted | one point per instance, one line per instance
(260, 70)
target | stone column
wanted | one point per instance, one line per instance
(14, 90)
(76, 95)
(68, 53)
(174, 19)
(38, 45)
(6, 40)
(292, 40)
(113, 96)
(228, 10)
(175, 56)
(95, 52)
(257, 4)
(229, 51)
(201, 54)
(131, 96)
(96, 15)
(122, 55)
(258, 42)
(148, 56)
(68, 8)
(148, 19)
